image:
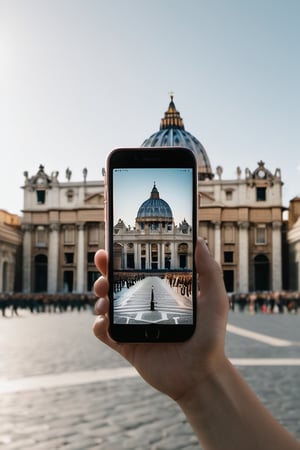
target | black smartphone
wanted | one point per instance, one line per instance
(151, 227)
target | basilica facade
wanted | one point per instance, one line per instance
(241, 219)
(155, 242)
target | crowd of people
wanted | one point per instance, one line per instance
(266, 302)
(125, 280)
(11, 304)
(181, 281)
(253, 302)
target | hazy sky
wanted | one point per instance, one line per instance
(80, 77)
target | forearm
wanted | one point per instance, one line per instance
(226, 415)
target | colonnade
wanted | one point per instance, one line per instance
(165, 255)
(150, 255)
(53, 256)
(243, 254)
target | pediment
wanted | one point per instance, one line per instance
(94, 199)
(207, 198)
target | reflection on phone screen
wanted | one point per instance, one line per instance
(152, 246)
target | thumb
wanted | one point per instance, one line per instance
(209, 271)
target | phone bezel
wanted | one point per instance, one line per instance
(143, 157)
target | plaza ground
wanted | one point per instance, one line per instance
(63, 389)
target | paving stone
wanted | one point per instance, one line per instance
(126, 413)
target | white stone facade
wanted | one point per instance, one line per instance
(242, 220)
(63, 226)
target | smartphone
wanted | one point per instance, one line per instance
(151, 227)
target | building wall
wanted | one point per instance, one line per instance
(62, 229)
(169, 246)
(243, 228)
(10, 256)
(63, 225)
(294, 243)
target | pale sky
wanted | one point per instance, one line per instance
(81, 77)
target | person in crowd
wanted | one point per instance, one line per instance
(3, 304)
(221, 408)
(15, 304)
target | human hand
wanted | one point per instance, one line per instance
(175, 368)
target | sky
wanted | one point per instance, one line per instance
(81, 77)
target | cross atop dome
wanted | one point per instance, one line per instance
(154, 192)
(173, 134)
(172, 117)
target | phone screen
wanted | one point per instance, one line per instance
(152, 237)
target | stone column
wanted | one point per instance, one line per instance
(173, 261)
(26, 269)
(3, 272)
(53, 256)
(7, 269)
(137, 259)
(217, 244)
(147, 265)
(162, 266)
(276, 257)
(124, 257)
(10, 272)
(81, 275)
(243, 281)
(158, 256)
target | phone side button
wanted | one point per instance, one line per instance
(152, 332)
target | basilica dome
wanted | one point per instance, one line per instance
(154, 209)
(172, 133)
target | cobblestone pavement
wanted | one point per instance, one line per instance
(66, 406)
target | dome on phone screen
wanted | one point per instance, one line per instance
(154, 209)
(172, 133)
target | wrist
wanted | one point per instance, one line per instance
(222, 402)
(208, 406)
(206, 383)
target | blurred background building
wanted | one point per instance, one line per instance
(10, 252)
(241, 219)
(294, 243)
(63, 226)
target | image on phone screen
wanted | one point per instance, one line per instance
(152, 246)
